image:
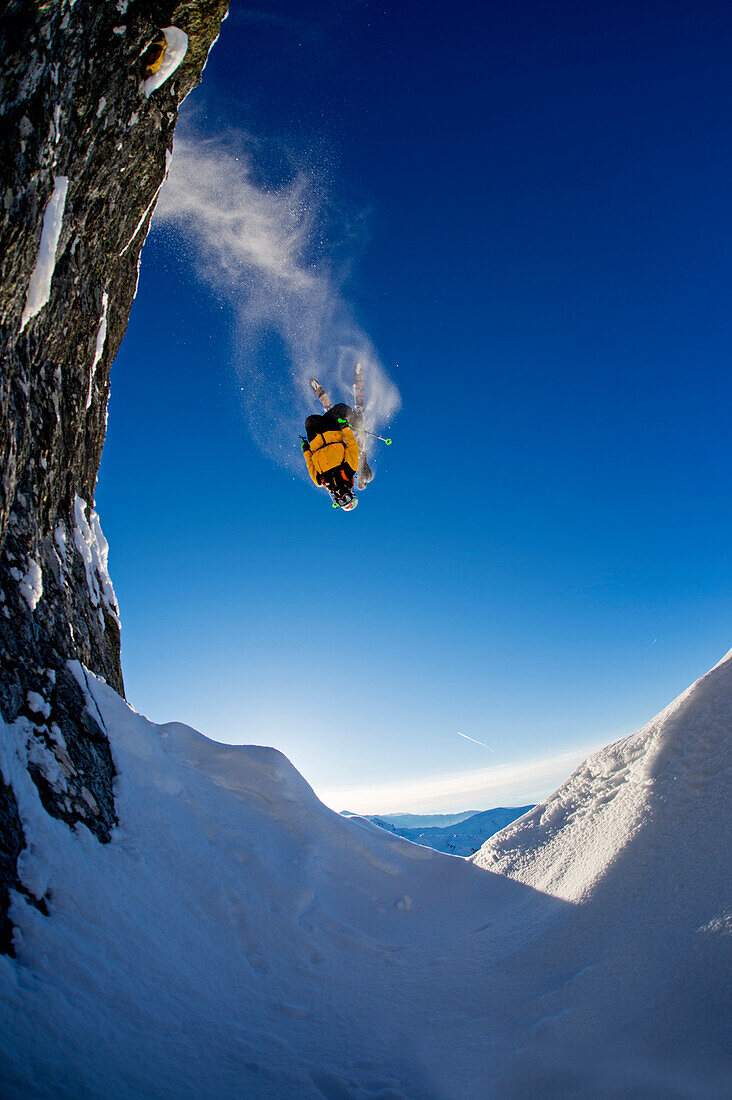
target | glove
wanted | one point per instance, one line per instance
(305, 445)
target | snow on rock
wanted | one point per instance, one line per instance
(94, 549)
(40, 756)
(38, 705)
(88, 153)
(39, 288)
(238, 938)
(99, 349)
(177, 45)
(30, 583)
(60, 538)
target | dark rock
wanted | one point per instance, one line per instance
(12, 842)
(73, 108)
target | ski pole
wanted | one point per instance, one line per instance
(365, 431)
(375, 436)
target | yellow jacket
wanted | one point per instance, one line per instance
(330, 450)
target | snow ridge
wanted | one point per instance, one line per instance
(572, 841)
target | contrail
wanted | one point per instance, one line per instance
(474, 741)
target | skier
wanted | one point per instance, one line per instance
(331, 453)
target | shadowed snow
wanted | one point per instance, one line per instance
(239, 938)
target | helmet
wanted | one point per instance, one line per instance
(352, 503)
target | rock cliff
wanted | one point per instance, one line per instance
(87, 129)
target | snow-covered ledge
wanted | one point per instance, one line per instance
(176, 46)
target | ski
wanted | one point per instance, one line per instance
(365, 473)
(320, 393)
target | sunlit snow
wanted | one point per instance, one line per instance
(237, 938)
(94, 549)
(30, 583)
(39, 288)
(177, 45)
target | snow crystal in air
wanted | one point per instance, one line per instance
(177, 44)
(101, 338)
(94, 549)
(39, 288)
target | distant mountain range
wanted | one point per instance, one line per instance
(415, 821)
(455, 834)
(428, 821)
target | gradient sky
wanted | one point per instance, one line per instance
(527, 213)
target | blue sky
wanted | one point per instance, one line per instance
(522, 219)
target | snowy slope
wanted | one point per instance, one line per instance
(638, 838)
(237, 938)
(645, 798)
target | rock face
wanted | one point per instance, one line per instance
(87, 136)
